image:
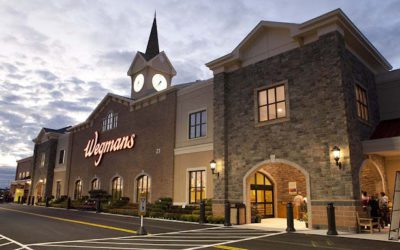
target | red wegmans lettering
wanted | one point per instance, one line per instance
(95, 148)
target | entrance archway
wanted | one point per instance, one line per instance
(262, 195)
(371, 178)
(286, 180)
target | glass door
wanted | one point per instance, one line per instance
(262, 195)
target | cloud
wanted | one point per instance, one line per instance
(46, 75)
(116, 58)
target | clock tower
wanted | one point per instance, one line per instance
(150, 72)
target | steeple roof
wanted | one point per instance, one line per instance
(152, 45)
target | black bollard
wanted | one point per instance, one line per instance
(330, 210)
(69, 203)
(29, 200)
(202, 218)
(47, 201)
(98, 205)
(227, 214)
(289, 217)
(32, 200)
(19, 199)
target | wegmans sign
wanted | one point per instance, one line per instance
(95, 148)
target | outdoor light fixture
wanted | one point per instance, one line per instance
(336, 156)
(213, 165)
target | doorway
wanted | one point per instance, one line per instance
(262, 195)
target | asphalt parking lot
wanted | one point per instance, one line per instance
(27, 227)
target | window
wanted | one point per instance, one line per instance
(197, 124)
(42, 159)
(197, 186)
(271, 103)
(28, 174)
(58, 189)
(110, 121)
(78, 190)
(20, 175)
(61, 157)
(143, 187)
(116, 191)
(362, 104)
(95, 185)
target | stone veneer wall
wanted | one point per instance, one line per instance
(370, 180)
(322, 114)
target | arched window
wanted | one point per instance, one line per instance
(116, 191)
(262, 195)
(95, 185)
(110, 121)
(143, 187)
(78, 190)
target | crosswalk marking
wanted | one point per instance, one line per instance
(190, 239)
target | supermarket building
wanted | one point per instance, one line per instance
(270, 118)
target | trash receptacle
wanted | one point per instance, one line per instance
(238, 214)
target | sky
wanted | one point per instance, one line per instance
(59, 58)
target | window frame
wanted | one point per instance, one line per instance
(93, 181)
(148, 187)
(42, 159)
(61, 156)
(267, 86)
(203, 186)
(110, 121)
(114, 188)
(190, 126)
(358, 88)
(78, 190)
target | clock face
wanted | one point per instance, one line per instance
(138, 83)
(159, 82)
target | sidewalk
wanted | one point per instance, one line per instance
(277, 224)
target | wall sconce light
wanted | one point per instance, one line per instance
(336, 156)
(213, 166)
(41, 180)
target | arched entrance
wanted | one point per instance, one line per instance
(371, 178)
(277, 182)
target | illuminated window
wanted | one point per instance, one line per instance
(20, 175)
(143, 187)
(28, 174)
(271, 103)
(110, 121)
(61, 157)
(42, 159)
(198, 124)
(116, 191)
(95, 185)
(78, 190)
(58, 189)
(197, 186)
(362, 104)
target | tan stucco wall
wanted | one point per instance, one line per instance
(59, 176)
(191, 99)
(392, 164)
(189, 162)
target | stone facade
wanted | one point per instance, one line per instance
(320, 78)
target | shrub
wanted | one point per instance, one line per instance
(99, 194)
(215, 219)
(120, 203)
(156, 214)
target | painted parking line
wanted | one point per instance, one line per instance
(190, 239)
(74, 221)
(5, 242)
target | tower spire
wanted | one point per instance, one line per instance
(152, 45)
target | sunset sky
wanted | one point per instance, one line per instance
(59, 58)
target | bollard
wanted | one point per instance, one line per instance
(98, 205)
(29, 200)
(19, 199)
(32, 200)
(202, 218)
(227, 214)
(69, 203)
(289, 215)
(23, 200)
(330, 210)
(47, 201)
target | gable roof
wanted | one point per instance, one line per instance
(327, 21)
